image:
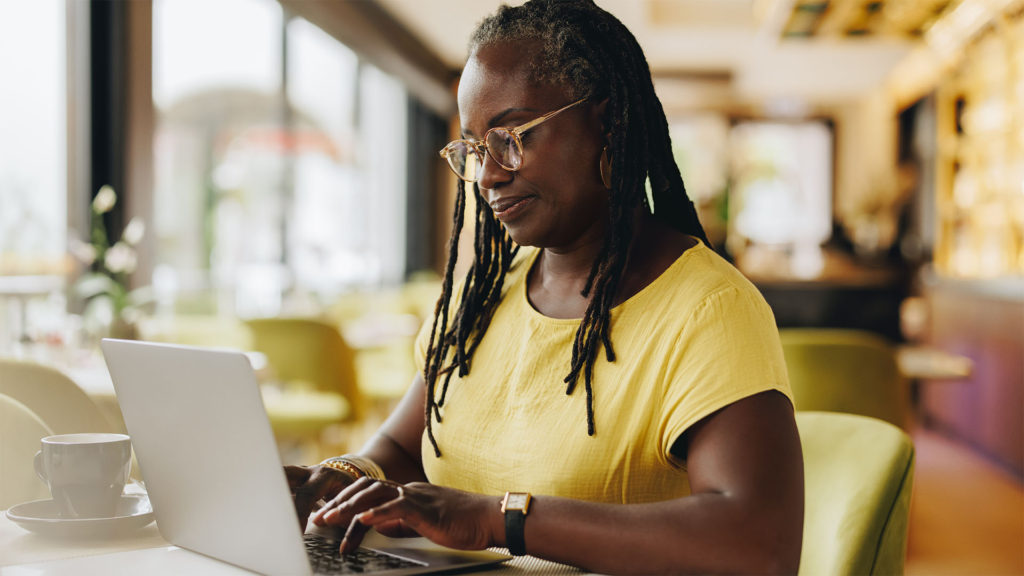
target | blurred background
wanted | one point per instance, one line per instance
(263, 175)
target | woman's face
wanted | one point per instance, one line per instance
(556, 199)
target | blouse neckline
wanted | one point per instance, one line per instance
(634, 300)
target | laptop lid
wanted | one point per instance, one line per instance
(210, 462)
(207, 453)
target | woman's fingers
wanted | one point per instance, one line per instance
(385, 517)
(310, 485)
(388, 512)
(340, 500)
(296, 475)
(353, 536)
(450, 517)
(360, 496)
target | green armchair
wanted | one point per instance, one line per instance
(839, 370)
(858, 475)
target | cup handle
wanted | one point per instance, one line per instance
(37, 462)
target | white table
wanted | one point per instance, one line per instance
(146, 552)
(22, 289)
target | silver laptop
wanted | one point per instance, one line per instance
(210, 464)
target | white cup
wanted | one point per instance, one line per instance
(86, 473)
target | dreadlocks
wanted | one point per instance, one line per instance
(591, 54)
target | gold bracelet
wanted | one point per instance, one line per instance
(341, 464)
(357, 466)
(365, 465)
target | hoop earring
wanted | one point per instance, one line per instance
(605, 168)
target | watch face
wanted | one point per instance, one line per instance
(517, 501)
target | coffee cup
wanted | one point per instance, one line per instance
(85, 473)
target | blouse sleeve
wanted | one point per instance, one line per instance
(728, 350)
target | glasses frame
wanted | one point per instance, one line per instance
(479, 147)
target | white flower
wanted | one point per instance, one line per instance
(134, 231)
(120, 258)
(83, 251)
(104, 200)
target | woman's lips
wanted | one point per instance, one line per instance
(506, 209)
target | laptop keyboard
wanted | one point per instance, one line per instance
(325, 558)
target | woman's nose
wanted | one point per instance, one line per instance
(492, 174)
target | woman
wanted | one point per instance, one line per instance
(681, 453)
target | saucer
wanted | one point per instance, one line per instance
(40, 516)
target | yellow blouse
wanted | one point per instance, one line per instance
(695, 340)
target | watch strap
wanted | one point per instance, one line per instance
(515, 524)
(515, 507)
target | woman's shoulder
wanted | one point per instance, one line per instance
(698, 276)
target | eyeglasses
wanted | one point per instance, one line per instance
(503, 145)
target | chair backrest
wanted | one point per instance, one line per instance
(53, 396)
(309, 350)
(20, 432)
(858, 475)
(839, 370)
(210, 330)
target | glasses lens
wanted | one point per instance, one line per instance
(463, 161)
(504, 148)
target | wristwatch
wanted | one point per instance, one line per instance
(515, 506)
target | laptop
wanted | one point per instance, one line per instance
(211, 467)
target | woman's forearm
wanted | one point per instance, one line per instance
(706, 533)
(745, 515)
(396, 445)
(398, 464)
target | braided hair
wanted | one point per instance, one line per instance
(591, 54)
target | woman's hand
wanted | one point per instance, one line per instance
(445, 516)
(310, 484)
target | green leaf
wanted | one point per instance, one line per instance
(94, 284)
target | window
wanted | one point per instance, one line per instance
(759, 184)
(700, 144)
(781, 196)
(279, 159)
(33, 171)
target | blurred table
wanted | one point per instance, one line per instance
(921, 362)
(21, 289)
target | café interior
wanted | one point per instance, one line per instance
(263, 175)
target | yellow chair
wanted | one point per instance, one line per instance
(839, 370)
(858, 475)
(20, 432)
(305, 353)
(209, 330)
(53, 396)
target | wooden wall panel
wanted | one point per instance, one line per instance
(987, 409)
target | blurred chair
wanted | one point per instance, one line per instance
(858, 476)
(421, 293)
(840, 370)
(53, 397)
(20, 432)
(315, 366)
(210, 330)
